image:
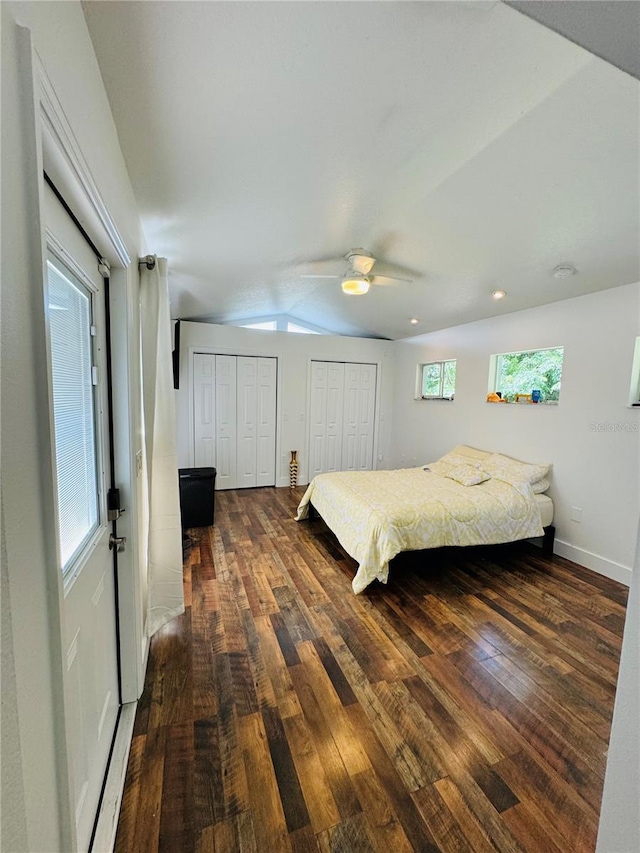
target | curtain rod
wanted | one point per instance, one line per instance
(148, 260)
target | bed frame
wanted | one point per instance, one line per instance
(547, 540)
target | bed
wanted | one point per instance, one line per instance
(459, 500)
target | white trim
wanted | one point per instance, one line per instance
(601, 565)
(59, 152)
(107, 825)
(55, 121)
(56, 248)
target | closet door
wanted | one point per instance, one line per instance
(225, 382)
(359, 413)
(204, 370)
(327, 392)
(318, 418)
(266, 422)
(247, 452)
(235, 418)
(335, 409)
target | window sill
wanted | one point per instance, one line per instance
(529, 405)
(435, 399)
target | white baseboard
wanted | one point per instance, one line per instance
(601, 565)
(105, 837)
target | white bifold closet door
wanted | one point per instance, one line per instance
(235, 418)
(358, 418)
(342, 417)
(225, 421)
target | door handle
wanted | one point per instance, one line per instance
(117, 542)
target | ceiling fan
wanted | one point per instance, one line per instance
(358, 278)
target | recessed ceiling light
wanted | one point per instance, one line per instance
(499, 294)
(414, 321)
(564, 271)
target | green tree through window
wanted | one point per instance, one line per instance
(522, 372)
(438, 380)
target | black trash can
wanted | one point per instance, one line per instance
(197, 492)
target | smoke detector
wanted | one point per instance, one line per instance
(564, 271)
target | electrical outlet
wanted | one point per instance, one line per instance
(576, 513)
(380, 457)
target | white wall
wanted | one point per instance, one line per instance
(294, 353)
(598, 471)
(33, 762)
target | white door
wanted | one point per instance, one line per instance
(335, 409)
(318, 418)
(77, 373)
(342, 417)
(204, 376)
(266, 422)
(226, 423)
(247, 422)
(234, 418)
(359, 413)
(327, 393)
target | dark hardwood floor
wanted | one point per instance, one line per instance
(466, 706)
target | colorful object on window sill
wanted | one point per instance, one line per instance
(493, 397)
(523, 398)
(536, 396)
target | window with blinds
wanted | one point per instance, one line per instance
(69, 309)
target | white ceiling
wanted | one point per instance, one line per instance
(463, 141)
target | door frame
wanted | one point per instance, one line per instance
(59, 153)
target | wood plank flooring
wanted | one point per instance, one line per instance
(465, 706)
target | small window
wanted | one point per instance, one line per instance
(297, 329)
(437, 380)
(267, 325)
(516, 375)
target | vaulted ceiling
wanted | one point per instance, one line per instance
(462, 141)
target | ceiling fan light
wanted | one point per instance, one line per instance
(355, 284)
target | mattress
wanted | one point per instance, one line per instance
(545, 505)
(377, 514)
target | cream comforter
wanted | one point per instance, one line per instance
(378, 514)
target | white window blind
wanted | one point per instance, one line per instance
(69, 304)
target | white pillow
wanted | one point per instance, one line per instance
(540, 486)
(463, 473)
(470, 452)
(454, 457)
(501, 467)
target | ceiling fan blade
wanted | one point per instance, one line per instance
(313, 275)
(393, 270)
(386, 280)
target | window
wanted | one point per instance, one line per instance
(267, 325)
(301, 330)
(516, 373)
(438, 380)
(281, 323)
(69, 307)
